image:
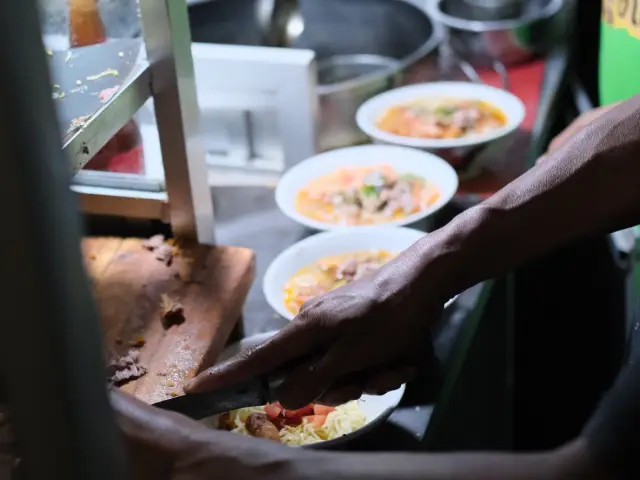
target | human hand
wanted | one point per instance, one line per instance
(369, 336)
(576, 126)
(163, 445)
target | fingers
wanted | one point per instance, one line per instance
(295, 340)
(311, 379)
(389, 380)
(345, 389)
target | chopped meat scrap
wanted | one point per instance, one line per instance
(126, 369)
(165, 254)
(225, 422)
(259, 425)
(172, 312)
(153, 243)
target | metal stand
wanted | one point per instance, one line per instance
(167, 76)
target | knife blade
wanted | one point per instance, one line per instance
(202, 405)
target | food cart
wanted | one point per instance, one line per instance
(56, 385)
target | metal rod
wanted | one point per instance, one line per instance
(165, 24)
(50, 347)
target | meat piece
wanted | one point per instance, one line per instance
(164, 253)
(224, 422)
(465, 118)
(153, 243)
(258, 425)
(126, 369)
(400, 198)
(348, 270)
(172, 312)
(106, 94)
(365, 268)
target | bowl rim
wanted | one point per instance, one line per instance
(430, 44)
(396, 394)
(481, 26)
(365, 112)
(288, 209)
(290, 252)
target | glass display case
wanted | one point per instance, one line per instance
(99, 87)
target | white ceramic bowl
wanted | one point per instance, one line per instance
(370, 112)
(405, 160)
(376, 408)
(317, 247)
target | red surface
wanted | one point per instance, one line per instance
(525, 82)
(122, 154)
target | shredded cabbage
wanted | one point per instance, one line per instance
(343, 420)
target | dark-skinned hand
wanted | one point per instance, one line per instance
(163, 445)
(574, 128)
(369, 336)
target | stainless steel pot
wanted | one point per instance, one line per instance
(510, 33)
(363, 47)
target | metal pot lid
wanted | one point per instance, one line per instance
(463, 15)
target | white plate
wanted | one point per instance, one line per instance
(375, 408)
(370, 112)
(317, 247)
(404, 160)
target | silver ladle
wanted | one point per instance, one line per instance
(280, 21)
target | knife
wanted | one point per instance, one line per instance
(202, 405)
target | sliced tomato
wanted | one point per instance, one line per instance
(301, 412)
(273, 410)
(322, 409)
(279, 422)
(316, 420)
(293, 421)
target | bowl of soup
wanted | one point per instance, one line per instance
(366, 186)
(441, 116)
(329, 260)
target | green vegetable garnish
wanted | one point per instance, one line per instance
(410, 177)
(369, 191)
(445, 111)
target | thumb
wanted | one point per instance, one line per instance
(292, 342)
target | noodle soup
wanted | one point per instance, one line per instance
(330, 273)
(311, 424)
(369, 195)
(442, 119)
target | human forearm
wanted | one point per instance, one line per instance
(570, 462)
(590, 187)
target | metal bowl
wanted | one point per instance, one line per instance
(510, 33)
(381, 39)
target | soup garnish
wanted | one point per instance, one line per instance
(442, 119)
(365, 196)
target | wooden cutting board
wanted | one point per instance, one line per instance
(130, 286)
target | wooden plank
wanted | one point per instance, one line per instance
(129, 284)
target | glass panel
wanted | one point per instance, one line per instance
(95, 50)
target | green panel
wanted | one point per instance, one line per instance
(619, 62)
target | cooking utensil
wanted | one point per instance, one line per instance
(376, 408)
(342, 33)
(202, 405)
(280, 20)
(511, 34)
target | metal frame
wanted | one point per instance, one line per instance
(167, 76)
(258, 79)
(168, 40)
(105, 123)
